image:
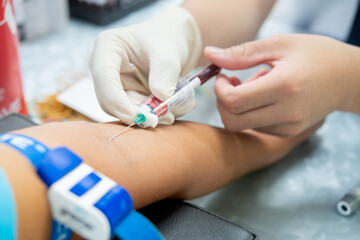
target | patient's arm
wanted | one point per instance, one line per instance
(184, 161)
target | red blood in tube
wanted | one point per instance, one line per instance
(154, 103)
(208, 73)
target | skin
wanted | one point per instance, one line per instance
(311, 77)
(182, 161)
(249, 15)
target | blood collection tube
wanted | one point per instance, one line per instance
(153, 109)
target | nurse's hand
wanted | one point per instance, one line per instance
(128, 64)
(311, 77)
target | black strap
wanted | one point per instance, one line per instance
(354, 36)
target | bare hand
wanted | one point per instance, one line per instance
(310, 77)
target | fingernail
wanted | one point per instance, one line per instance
(215, 50)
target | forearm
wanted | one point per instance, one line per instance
(183, 161)
(230, 22)
(351, 71)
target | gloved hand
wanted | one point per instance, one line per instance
(128, 64)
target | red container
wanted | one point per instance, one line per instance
(11, 93)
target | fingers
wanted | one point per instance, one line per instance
(268, 119)
(105, 65)
(246, 55)
(167, 119)
(253, 119)
(233, 80)
(164, 76)
(261, 72)
(245, 97)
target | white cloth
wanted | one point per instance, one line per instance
(332, 18)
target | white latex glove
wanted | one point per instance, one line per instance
(128, 64)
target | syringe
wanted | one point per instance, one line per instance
(152, 109)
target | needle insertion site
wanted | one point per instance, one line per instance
(140, 118)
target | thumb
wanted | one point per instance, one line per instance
(164, 76)
(245, 55)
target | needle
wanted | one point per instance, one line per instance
(116, 135)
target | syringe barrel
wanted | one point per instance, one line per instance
(152, 106)
(183, 93)
(154, 109)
